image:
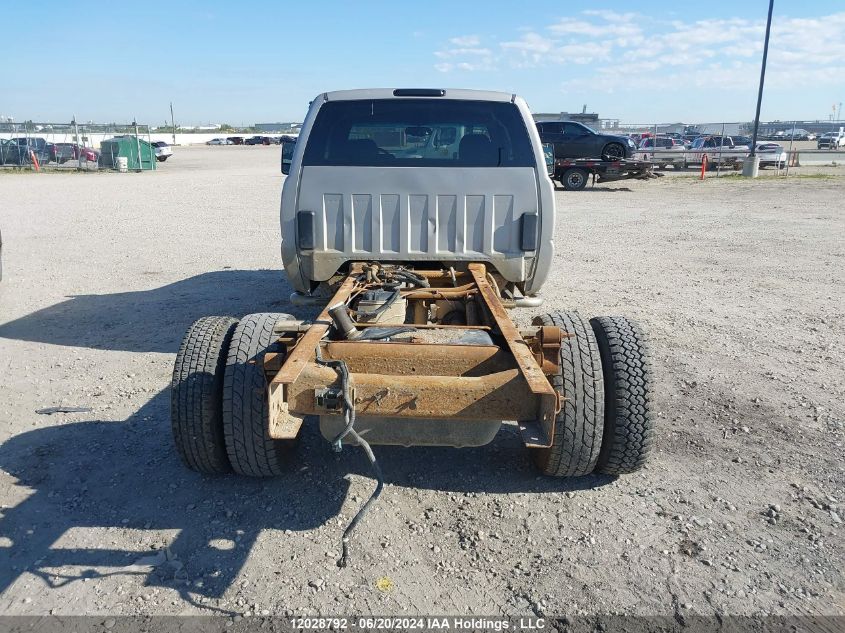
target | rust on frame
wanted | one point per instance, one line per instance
(394, 379)
(539, 431)
(502, 395)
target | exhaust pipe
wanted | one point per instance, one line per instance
(302, 299)
(522, 302)
(528, 302)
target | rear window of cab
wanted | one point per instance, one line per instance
(419, 133)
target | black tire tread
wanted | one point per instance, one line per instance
(245, 408)
(606, 156)
(629, 423)
(196, 395)
(580, 422)
(564, 180)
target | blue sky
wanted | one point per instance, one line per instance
(248, 62)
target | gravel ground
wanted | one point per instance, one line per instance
(740, 285)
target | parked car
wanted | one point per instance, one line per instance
(162, 150)
(219, 141)
(771, 155)
(63, 152)
(8, 152)
(26, 146)
(89, 154)
(663, 151)
(798, 134)
(831, 140)
(720, 151)
(236, 140)
(257, 140)
(661, 142)
(574, 140)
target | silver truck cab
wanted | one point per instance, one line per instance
(417, 175)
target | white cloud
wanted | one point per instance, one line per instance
(466, 40)
(466, 53)
(624, 51)
(460, 52)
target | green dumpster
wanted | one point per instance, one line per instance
(139, 153)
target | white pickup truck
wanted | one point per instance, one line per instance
(721, 151)
(663, 152)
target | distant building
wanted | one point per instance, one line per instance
(587, 118)
(211, 127)
(277, 127)
(728, 129)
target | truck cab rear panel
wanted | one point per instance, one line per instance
(412, 184)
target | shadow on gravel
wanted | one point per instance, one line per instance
(597, 189)
(152, 320)
(126, 476)
(107, 476)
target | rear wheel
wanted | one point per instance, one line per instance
(628, 421)
(574, 179)
(580, 422)
(196, 395)
(249, 446)
(613, 151)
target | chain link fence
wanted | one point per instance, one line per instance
(717, 146)
(71, 146)
(723, 145)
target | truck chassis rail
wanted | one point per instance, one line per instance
(415, 379)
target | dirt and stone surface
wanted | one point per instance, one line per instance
(740, 285)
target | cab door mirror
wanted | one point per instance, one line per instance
(549, 154)
(287, 156)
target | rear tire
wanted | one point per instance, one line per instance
(196, 392)
(251, 450)
(628, 420)
(613, 152)
(580, 422)
(574, 179)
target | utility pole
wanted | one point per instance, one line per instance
(172, 124)
(750, 168)
(78, 143)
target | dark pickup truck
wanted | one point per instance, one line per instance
(22, 146)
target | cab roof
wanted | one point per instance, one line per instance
(417, 93)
